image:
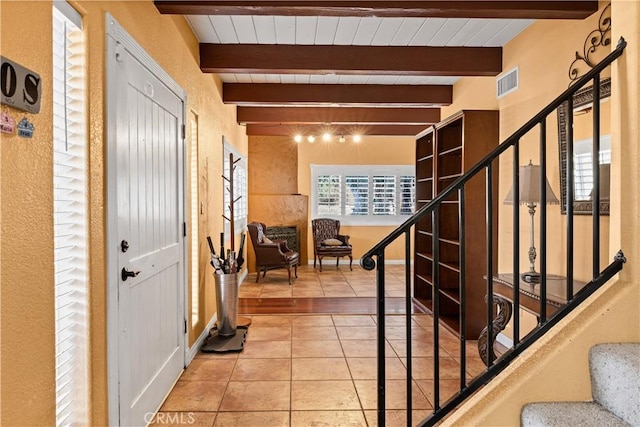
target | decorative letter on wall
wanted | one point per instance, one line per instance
(21, 88)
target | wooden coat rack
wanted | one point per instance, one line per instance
(231, 218)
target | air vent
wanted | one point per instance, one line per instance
(507, 82)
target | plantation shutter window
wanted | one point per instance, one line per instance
(70, 216)
(407, 195)
(384, 195)
(329, 195)
(195, 210)
(357, 195)
(363, 194)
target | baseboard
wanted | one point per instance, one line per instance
(396, 262)
(504, 340)
(195, 348)
(357, 262)
(243, 276)
(191, 353)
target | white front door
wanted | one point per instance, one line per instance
(148, 233)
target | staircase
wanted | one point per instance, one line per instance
(615, 387)
(624, 383)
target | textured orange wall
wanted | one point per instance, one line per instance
(27, 324)
(273, 184)
(273, 165)
(278, 210)
(543, 71)
(373, 150)
(472, 93)
(556, 368)
(27, 352)
(270, 153)
(550, 48)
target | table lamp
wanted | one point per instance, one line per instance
(530, 196)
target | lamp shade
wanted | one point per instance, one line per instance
(530, 187)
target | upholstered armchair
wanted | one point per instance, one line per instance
(327, 241)
(270, 255)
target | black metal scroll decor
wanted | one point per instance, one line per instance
(368, 263)
(601, 36)
(505, 310)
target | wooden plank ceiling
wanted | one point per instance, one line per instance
(346, 67)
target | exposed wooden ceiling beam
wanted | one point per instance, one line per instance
(337, 115)
(309, 94)
(353, 60)
(545, 9)
(337, 130)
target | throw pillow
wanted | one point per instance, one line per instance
(332, 242)
(265, 239)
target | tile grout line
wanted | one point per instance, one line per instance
(353, 383)
(291, 358)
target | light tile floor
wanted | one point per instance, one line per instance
(332, 282)
(315, 370)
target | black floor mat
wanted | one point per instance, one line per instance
(218, 344)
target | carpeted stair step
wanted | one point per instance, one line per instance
(615, 379)
(563, 414)
(615, 387)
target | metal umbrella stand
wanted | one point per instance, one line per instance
(226, 303)
(226, 336)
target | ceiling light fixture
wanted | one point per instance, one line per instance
(328, 137)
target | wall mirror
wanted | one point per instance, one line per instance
(583, 141)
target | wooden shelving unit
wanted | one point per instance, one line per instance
(444, 152)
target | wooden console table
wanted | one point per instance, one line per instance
(529, 301)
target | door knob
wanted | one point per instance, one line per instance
(125, 274)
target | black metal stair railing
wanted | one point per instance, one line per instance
(495, 364)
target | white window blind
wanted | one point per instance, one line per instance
(70, 216)
(363, 194)
(195, 210)
(583, 171)
(242, 210)
(240, 189)
(384, 195)
(357, 194)
(329, 194)
(407, 194)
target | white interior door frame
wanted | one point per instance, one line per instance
(116, 39)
